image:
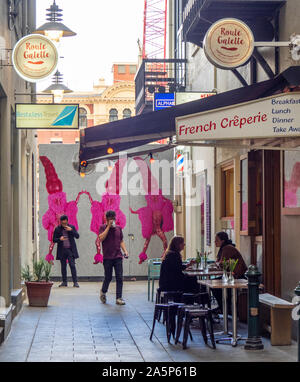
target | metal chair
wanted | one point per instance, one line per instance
(153, 274)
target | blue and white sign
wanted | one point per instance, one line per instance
(163, 100)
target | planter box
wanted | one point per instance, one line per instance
(38, 293)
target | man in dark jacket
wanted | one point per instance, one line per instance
(64, 235)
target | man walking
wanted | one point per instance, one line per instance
(64, 235)
(111, 237)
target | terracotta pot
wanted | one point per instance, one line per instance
(38, 292)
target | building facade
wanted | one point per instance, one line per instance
(18, 212)
(247, 187)
(106, 103)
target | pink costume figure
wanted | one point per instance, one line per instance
(110, 201)
(157, 217)
(57, 203)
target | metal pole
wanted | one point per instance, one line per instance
(253, 341)
(297, 292)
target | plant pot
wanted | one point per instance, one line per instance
(38, 293)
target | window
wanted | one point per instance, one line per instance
(251, 193)
(132, 69)
(121, 69)
(227, 191)
(113, 115)
(244, 194)
(82, 118)
(126, 113)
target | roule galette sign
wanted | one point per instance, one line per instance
(277, 116)
(228, 43)
(35, 57)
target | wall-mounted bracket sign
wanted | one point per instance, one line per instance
(229, 43)
(47, 116)
(276, 116)
(35, 58)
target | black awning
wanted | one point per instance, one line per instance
(136, 131)
(199, 17)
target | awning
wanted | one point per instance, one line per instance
(133, 132)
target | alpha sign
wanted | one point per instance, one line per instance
(163, 100)
(228, 43)
(277, 116)
(35, 57)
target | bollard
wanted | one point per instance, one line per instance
(297, 292)
(254, 341)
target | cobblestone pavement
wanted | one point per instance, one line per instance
(76, 326)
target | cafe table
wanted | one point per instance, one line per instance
(219, 284)
(203, 273)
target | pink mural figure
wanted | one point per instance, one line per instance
(291, 187)
(157, 217)
(110, 201)
(57, 204)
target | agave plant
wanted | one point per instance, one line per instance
(26, 273)
(47, 270)
(38, 269)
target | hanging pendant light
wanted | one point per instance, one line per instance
(58, 89)
(54, 28)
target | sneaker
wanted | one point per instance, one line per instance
(120, 301)
(103, 297)
(63, 285)
(76, 285)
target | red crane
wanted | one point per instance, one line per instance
(155, 29)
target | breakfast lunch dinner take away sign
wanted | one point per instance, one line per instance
(276, 116)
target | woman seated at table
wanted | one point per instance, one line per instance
(171, 276)
(228, 251)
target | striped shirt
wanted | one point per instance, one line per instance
(66, 242)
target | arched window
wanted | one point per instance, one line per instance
(113, 115)
(82, 118)
(126, 113)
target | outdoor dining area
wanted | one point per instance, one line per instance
(224, 296)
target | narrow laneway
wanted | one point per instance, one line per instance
(77, 327)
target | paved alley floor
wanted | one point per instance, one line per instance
(76, 326)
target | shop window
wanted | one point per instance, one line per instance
(227, 191)
(126, 113)
(113, 115)
(82, 118)
(251, 194)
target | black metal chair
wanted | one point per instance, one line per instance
(189, 312)
(170, 311)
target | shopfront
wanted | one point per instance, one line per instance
(255, 166)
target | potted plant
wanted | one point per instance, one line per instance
(38, 284)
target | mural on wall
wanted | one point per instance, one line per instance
(156, 218)
(291, 179)
(57, 204)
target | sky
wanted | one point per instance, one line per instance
(107, 32)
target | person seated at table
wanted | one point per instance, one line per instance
(228, 251)
(171, 276)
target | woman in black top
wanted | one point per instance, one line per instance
(171, 275)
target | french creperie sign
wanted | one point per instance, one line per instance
(277, 116)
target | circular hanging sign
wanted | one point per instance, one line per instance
(35, 57)
(228, 43)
